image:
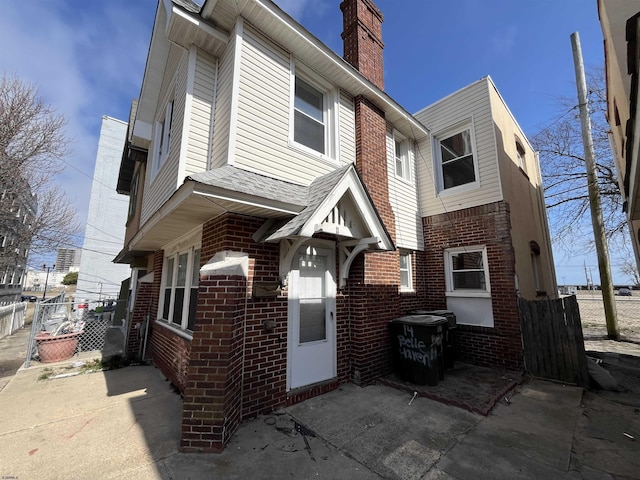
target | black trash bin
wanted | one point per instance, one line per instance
(417, 348)
(449, 341)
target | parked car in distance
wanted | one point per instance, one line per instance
(28, 298)
(624, 292)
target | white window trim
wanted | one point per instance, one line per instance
(405, 157)
(410, 287)
(467, 124)
(175, 254)
(330, 108)
(450, 290)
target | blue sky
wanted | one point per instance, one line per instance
(87, 57)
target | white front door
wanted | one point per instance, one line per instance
(312, 326)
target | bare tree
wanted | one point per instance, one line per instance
(35, 214)
(564, 174)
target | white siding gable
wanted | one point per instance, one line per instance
(473, 104)
(403, 197)
(261, 140)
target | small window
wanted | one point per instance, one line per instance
(133, 195)
(406, 273)
(401, 155)
(309, 116)
(520, 155)
(455, 159)
(163, 138)
(535, 265)
(467, 270)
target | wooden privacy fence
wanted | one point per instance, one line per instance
(552, 340)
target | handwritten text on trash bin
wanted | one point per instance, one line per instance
(414, 349)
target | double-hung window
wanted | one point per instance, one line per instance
(466, 270)
(313, 108)
(180, 292)
(401, 157)
(455, 158)
(406, 272)
(162, 138)
(309, 116)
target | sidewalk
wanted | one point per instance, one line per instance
(126, 423)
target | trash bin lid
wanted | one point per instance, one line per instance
(439, 313)
(427, 320)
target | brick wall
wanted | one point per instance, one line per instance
(146, 304)
(362, 37)
(484, 225)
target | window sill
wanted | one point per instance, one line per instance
(178, 331)
(457, 190)
(404, 180)
(309, 152)
(523, 172)
(468, 294)
(407, 291)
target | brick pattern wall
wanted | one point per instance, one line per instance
(362, 37)
(146, 304)
(488, 225)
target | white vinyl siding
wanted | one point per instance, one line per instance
(403, 197)
(222, 116)
(346, 127)
(471, 104)
(201, 109)
(159, 187)
(262, 130)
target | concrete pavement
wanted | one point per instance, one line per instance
(126, 423)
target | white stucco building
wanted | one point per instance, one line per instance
(98, 277)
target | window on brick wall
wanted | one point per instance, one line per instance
(467, 271)
(180, 288)
(455, 159)
(313, 107)
(406, 272)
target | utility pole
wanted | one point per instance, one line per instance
(602, 249)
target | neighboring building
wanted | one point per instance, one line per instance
(35, 280)
(620, 21)
(68, 259)
(98, 277)
(18, 208)
(283, 209)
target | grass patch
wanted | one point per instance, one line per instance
(90, 366)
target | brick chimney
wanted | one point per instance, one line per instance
(362, 37)
(363, 46)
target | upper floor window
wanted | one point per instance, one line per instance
(455, 158)
(312, 115)
(162, 138)
(133, 195)
(520, 155)
(401, 154)
(466, 270)
(309, 117)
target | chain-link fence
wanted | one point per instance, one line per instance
(62, 329)
(593, 320)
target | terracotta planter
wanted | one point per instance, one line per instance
(56, 348)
